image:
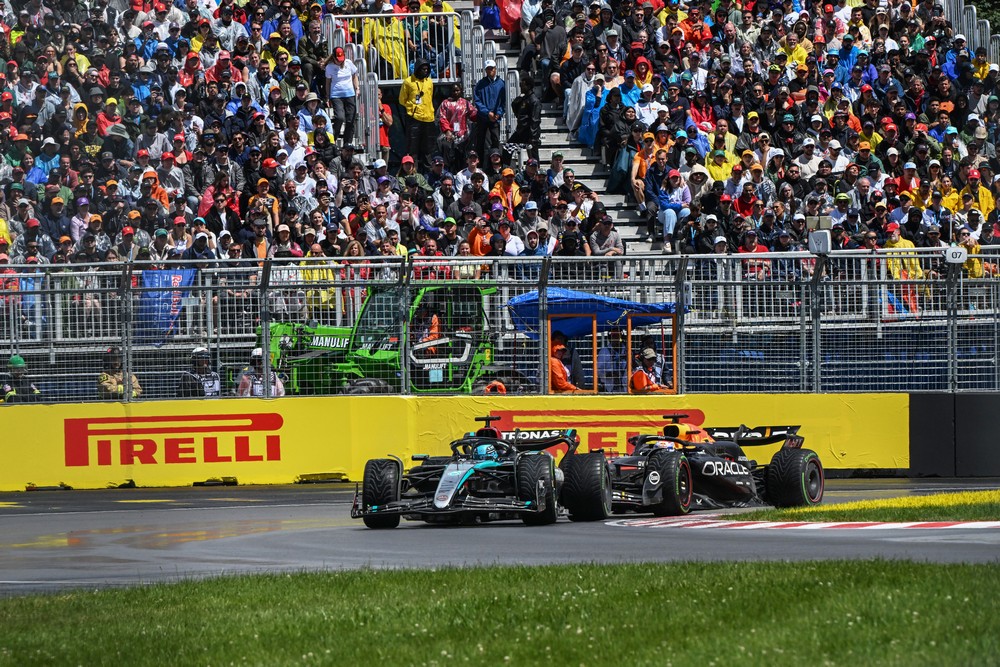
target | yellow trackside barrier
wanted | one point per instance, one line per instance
(177, 443)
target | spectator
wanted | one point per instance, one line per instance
(343, 86)
(199, 381)
(644, 379)
(559, 382)
(416, 96)
(112, 384)
(612, 364)
(17, 388)
(490, 98)
(253, 382)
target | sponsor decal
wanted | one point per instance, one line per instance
(442, 498)
(654, 477)
(180, 439)
(533, 435)
(598, 429)
(730, 432)
(723, 468)
(330, 342)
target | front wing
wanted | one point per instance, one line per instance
(460, 505)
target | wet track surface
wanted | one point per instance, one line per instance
(53, 540)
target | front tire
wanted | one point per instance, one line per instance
(381, 486)
(531, 469)
(795, 478)
(586, 491)
(675, 476)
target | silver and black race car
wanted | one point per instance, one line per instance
(688, 467)
(488, 477)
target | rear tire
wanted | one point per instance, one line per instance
(530, 469)
(675, 476)
(795, 478)
(381, 486)
(586, 490)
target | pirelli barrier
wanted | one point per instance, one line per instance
(252, 441)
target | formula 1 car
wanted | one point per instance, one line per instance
(487, 478)
(686, 468)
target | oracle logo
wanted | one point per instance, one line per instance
(178, 439)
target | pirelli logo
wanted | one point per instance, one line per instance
(180, 439)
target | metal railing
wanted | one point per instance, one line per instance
(978, 32)
(392, 43)
(780, 322)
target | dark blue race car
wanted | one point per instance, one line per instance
(489, 476)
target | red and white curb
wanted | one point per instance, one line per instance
(711, 523)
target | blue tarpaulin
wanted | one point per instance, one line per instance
(611, 313)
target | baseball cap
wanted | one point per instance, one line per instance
(128, 231)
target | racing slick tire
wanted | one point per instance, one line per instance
(530, 469)
(794, 478)
(586, 490)
(675, 476)
(380, 486)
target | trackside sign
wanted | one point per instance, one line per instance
(278, 441)
(169, 440)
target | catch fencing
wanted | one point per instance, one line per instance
(783, 322)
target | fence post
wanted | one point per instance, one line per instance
(817, 314)
(265, 327)
(951, 291)
(680, 308)
(404, 313)
(543, 325)
(125, 311)
(994, 303)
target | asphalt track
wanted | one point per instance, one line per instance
(54, 540)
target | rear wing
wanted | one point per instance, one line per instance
(534, 441)
(745, 436)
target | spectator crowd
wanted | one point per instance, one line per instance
(226, 132)
(738, 127)
(219, 133)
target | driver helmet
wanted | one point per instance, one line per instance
(485, 453)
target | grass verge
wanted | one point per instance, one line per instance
(962, 506)
(815, 613)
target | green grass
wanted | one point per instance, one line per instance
(826, 613)
(961, 506)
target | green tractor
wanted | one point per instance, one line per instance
(450, 341)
